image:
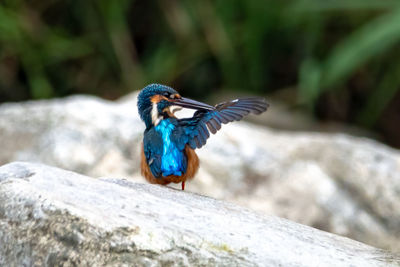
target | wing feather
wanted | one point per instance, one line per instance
(211, 127)
(196, 129)
(153, 148)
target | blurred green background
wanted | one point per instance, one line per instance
(338, 60)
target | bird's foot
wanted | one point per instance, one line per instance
(183, 185)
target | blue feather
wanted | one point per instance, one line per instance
(173, 160)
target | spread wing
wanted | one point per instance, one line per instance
(153, 150)
(196, 130)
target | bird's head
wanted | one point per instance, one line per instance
(157, 101)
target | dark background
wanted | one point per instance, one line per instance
(335, 60)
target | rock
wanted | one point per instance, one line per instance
(334, 182)
(52, 217)
(75, 133)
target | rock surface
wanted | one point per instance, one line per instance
(338, 183)
(52, 217)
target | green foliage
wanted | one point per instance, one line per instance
(356, 49)
(56, 47)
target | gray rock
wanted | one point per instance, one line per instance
(52, 217)
(75, 133)
(334, 182)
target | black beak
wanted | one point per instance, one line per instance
(193, 104)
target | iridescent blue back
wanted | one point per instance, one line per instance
(164, 156)
(172, 160)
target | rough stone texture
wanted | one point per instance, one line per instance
(50, 217)
(335, 182)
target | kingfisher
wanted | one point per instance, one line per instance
(169, 143)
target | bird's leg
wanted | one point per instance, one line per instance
(183, 185)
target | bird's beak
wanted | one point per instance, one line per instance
(192, 104)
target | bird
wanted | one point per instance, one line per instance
(168, 148)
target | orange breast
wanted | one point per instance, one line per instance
(193, 166)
